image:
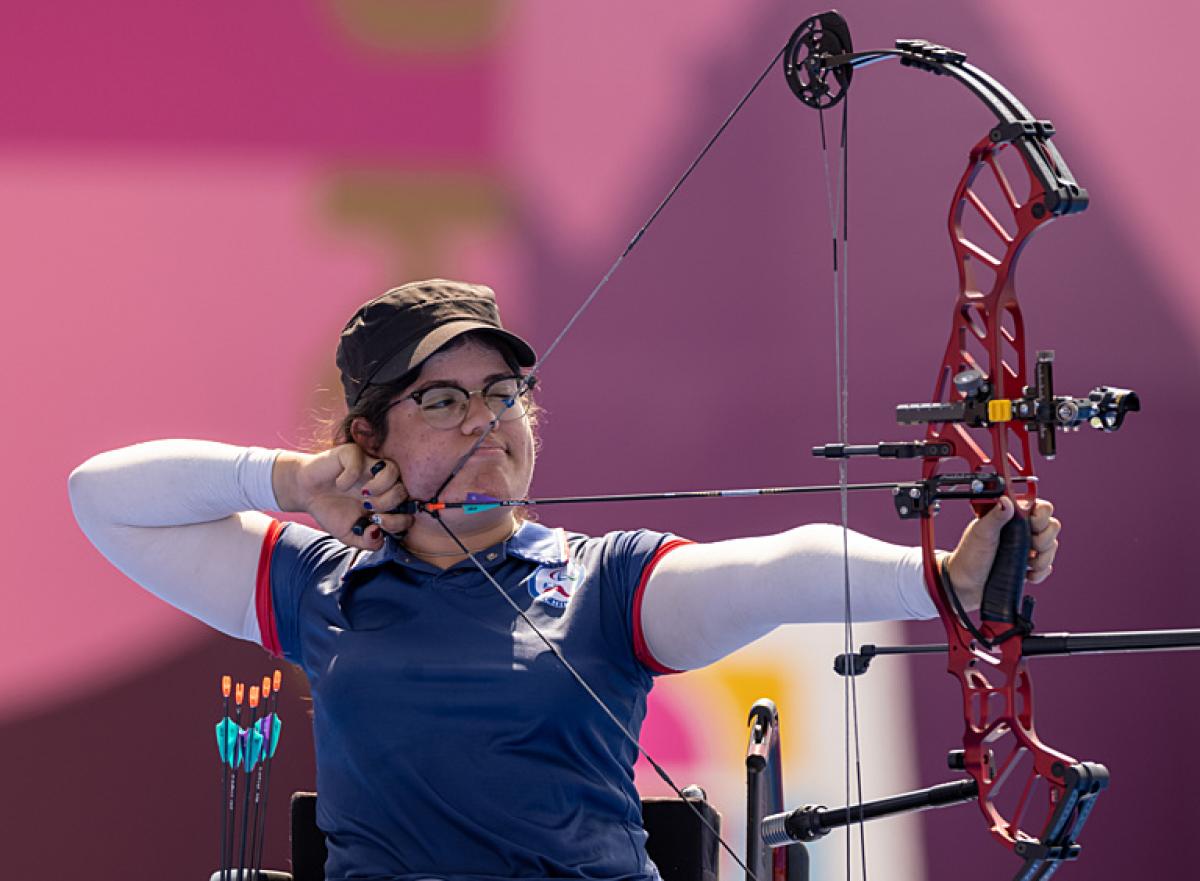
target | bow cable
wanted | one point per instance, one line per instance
(837, 198)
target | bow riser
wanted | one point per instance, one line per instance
(1001, 749)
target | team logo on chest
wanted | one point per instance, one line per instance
(554, 585)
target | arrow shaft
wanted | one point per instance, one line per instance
(481, 504)
(703, 494)
(224, 796)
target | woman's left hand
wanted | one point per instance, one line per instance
(968, 566)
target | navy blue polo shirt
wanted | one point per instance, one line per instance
(450, 741)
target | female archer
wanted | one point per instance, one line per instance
(451, 739)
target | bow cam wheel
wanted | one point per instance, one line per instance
(817, 39)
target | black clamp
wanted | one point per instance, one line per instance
(1007, 132)
(919, 52)
(971, 409)
(922, 498)
(888, 450)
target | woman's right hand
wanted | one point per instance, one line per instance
(339, 487)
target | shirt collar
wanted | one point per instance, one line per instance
(539, 544)
(391, 550)
(532, 541)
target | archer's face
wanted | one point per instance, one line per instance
(503, 464)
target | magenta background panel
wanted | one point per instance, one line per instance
(208, 76)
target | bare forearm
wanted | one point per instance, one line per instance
(285, 482)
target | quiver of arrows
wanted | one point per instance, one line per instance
(246, 752)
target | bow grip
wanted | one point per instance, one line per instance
(1006, 580)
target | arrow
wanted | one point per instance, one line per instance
(251, 742)
(231, 756)
(264, 746)
(245, 752)
(226, 746)
(476, 503)
(269, 727)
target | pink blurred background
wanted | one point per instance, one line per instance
(195, 197)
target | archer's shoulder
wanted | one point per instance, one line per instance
(619, 545)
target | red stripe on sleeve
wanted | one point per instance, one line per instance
(262, 592)
(640, 650)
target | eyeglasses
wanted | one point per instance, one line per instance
(446, 406)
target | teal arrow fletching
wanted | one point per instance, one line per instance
(251, 743)
(475, 509)
(477, 502)
(270, 725)
(227, 741)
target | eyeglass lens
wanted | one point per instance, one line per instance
(446, 406)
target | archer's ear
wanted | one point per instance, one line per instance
(361, 434)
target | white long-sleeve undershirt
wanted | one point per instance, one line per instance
(705, 601)
(181, 518)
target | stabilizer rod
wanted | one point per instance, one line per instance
(1043, 644)
(814, 821)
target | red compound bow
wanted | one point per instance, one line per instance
(1034, 798)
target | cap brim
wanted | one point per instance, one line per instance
(410, 358)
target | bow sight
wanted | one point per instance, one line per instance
(1038, 407)
(1038, 410)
